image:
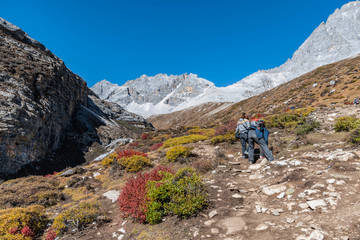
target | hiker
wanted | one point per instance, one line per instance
(259, 134)
(266, 137)
(241, 133)
(356, 101)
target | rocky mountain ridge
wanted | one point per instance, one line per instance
(332, 41)
(160, 93)
(43, 105)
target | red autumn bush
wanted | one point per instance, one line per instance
(27, 232)
(134, 144)
(13, 231)
(50, 234)
(132, 200)
(144, 136)
(156, 146)
(129, 153)
(257, 116)
(225, 128)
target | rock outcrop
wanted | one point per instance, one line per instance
(44, 106)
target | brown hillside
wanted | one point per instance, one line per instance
(333, 84)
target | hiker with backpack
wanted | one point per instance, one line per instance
(241, 133)
(259, 134)
(356, 101)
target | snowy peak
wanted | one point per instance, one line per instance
(153, 95)
(335, 40)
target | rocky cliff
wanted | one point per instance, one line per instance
(44, 108)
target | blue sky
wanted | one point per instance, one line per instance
(222, 41)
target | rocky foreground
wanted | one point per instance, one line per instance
(310, 192)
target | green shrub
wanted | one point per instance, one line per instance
(182, 194)
(176, 152)
(77, 217)
(134, 163)
(307, 127)
(208, 132)
(109, 159)
(346, 124)
(230, 138)
(13, 220)
(129, 159)
(183, 140)
(290, 119)
(354, 137)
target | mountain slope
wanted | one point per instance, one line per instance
(332, 41)
(335, 84)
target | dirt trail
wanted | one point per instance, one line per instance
(311, 192)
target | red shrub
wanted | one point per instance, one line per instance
(51, 175)
(13, 230)
(27, 232)
(129, 153)
(50, 234)
(257, 116)
(225, 128)
(156, 146)
(144, 136)
(132, 200)
(134, 144)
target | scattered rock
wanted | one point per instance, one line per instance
(281, 195)
(303, 205)
(270, 190)
(113, 195)
(232, 225)
(256, 176)
(316, 203)
(237, 196)
(316, 235)
(208, 223)
(214, 231)
(261, 227)
(290, 191)
(234, 163)
(67, 172)
(290, 220)
(213, 214)
(275, 212)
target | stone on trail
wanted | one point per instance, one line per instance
(316, 235)
(281, 195)
(234, 163)
(316, 203)
(270, 190)
(208, 223)
(237, 196)
(290, 191)
(261, 227)
(256, 176)
(113, 195)
(303, 205)
(275, 212)
(213, 214)
(232, 225)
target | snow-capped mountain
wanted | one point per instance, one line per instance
(337, 39)
(154, 95)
